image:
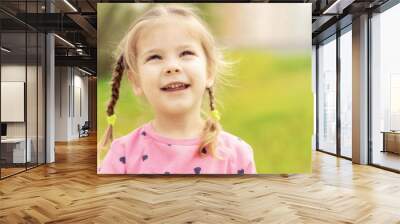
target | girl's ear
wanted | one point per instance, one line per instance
(137, 90)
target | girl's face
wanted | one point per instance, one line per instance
(172, 67)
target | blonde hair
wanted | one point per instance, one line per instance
(126, 61)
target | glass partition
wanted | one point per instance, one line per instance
(385, 89)
(22, 64)
(327, 95)
(14, 152)
(346, 93)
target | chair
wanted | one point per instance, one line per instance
(84, 130)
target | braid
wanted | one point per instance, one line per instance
(211, 131)
(115, 84)
(211, 95)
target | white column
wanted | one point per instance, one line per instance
(50, 93)
(360, 90)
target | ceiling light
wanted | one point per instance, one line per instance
(64, 40)
(5, 50)
(70, 5)
(86, 72)
(338, 6)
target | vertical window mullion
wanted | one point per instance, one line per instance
(0, 90)
(37, 89)
(317, 95)
(26, 85)
(369, 89)
(338, 73)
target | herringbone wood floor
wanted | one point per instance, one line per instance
(69, 191)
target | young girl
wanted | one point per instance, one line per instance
(171, 59)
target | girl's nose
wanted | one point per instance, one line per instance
(170, 71)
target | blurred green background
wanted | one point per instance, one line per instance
(269, 105)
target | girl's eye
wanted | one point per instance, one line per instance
(187, 53)
(153, 57)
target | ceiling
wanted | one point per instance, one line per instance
(76, 22)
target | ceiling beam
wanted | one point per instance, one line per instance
(85, 25)
(82, 61)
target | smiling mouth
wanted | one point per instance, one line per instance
(175, 86)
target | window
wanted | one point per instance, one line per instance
(327, 96)
(346, 92)
(385, 88)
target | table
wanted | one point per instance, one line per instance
(17, 151)
(391, 141)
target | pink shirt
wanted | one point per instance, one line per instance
(143, 151)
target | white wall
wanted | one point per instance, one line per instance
(61, 103)
(71, 93)
(12, 73)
